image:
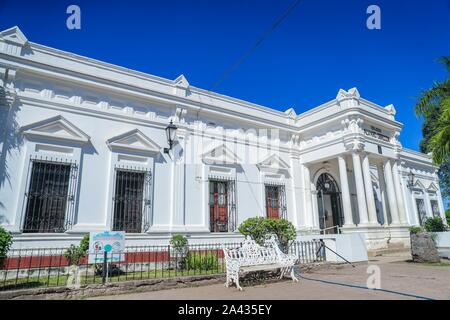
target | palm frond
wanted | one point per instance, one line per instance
(432, 97)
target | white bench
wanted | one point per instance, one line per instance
(253, 257)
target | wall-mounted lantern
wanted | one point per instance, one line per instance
(410, 179)
(171, 130)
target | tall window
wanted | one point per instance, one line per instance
(47, 197)
(420, 204)
(129, 201)
(218, 206)
(273, 202)
(435, 208)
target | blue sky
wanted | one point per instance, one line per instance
(321, 46)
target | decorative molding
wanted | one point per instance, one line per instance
(180, 114)
(14, 35)
(433, 187)
(12, 41)
(352, 124)
(182, 86)
(220, 154)
(354, 145)
(391, 110)
(273, 161)
(348, 98)
(133, 140)
(55, 128)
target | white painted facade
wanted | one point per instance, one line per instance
(63, 107)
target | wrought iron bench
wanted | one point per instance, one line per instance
(253, 257)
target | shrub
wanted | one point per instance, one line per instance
(255, 228)
(259, 229)
(434, 224)
(201, 261)
(74, 253)
(179, 244)
(415, 230)
(447, 216)
(5, 245)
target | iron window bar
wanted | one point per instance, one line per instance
(50, 196)
(131, 199)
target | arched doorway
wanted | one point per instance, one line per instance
(329, 203)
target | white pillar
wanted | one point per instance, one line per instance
(178, 183)
(309, 219)
(441, 205)
(384, 200)
(393, 207)
(346, 202)
(399, 193)
(297, 184)
(360, 194)
(372, 211)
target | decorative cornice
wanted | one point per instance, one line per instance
(355, 145)
(133, 140)
(352, 94)
(55, 128)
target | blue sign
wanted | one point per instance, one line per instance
(111, 242)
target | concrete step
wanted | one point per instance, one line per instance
(391, 250)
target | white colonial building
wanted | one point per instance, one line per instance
(84, 148)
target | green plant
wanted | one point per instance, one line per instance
(259, 229)
(255, 228)
(415, 230)
(74, 253)
(201, 261)
(447, 216)
(435, 224)
(5, 244)
(179, 244)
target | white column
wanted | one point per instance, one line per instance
(178, 183)
(398, 191)
(384, 200)
(369, 190)
(441, 205)
(309, 219)
(360, 194)
(297, 184)
(315, 210)
(393, 207)
(346, 202)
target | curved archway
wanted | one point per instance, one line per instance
(329, 203)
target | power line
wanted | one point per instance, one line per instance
(255, 45)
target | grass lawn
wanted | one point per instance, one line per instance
(61, 280)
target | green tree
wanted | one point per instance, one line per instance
(259, 229)
(434, 107)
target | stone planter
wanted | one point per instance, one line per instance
(423, 248)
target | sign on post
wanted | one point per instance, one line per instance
(111, 242)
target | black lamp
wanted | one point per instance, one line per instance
(410, 179)
(171, 129)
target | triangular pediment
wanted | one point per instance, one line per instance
(14, 35)
(182, 82)
(418, 185)
(55, 128)
(432, 187)
(273, 161)
(133, 140)
(220, 154)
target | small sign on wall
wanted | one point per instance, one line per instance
(111, 242)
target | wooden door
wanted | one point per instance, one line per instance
(218, 195)
(273, 202)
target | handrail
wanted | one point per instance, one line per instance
(338, 229)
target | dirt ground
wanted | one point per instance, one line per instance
(396, 274)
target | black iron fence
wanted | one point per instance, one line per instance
(49, 267)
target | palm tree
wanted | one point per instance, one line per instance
(434, 107)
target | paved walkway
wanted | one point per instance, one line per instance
(397, 275)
